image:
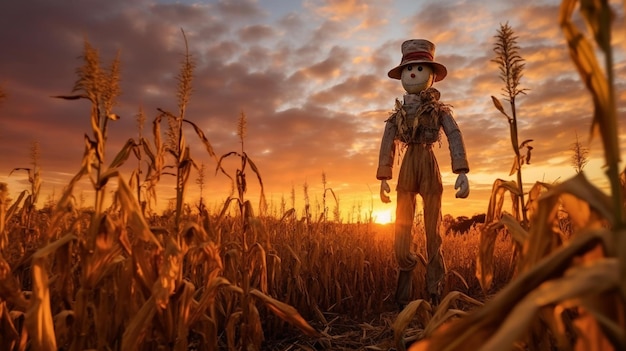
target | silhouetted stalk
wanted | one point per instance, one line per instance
(35, 182)
(184, 93)
(200, 181)
(520, 184)
(511, 68)
(247, 326)
(101, 88)
(141, 118)
(243, 210)
(580, 155)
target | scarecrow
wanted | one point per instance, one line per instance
(414, 127)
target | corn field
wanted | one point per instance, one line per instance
(548, 275)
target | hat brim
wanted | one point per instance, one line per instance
(439, 69)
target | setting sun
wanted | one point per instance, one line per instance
(382, 216)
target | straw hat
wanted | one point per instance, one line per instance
(419, 51)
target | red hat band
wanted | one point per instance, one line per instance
(417, 56)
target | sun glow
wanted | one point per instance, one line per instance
(382, 216)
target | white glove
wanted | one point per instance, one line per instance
(384, 190)
(463, 184)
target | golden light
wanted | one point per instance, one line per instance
(382, 216)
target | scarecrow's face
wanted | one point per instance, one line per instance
(416, 77)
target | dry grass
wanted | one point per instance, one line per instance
(338, 277)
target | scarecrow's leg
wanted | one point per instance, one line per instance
(435, 269)
(407, 260)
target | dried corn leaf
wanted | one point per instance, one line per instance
(583, 56)
(38, 317)
(598, 17)
(419, 308)
(123, 154)
(545, 234)
(169, 272)
(484, 259)
(66, 202)
(207, 300)
(106, 249)
(258, 263)
(39, 321)
(274, 270)
(136, 219)
(148, 150)
(589, 278)
(135, 332)
(231, 330)
(183, 303)
(446, 311)
(193, 234)
(286, 312)
(498, 105)
(496, 200)
(582, 189)
(534, 193)
(98, 135)
(262, 202)
(203, 138)
(519, 234)
(488, 234)
(71, 97)
(516, 165)
(156, 133)
(254, 330)
(470, 332)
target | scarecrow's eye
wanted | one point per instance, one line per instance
(409, 68)
(420, 68)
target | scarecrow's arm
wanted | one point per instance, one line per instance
(455, 143)
(387, 151)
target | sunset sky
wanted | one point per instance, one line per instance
(311, 77)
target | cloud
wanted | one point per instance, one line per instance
(366, 14)
(311, 80)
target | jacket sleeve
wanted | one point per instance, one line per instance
(387, 151)
(455, 143)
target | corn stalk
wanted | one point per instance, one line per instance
(511, 66)
(176, 144)
(252, 260)
(101, 88)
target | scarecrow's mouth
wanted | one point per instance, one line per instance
(413, 86)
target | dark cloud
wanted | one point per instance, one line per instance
(255, 33)
(239, 9)
(330, 66)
